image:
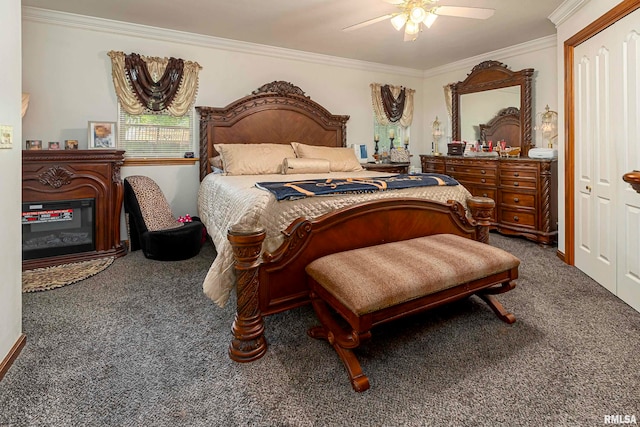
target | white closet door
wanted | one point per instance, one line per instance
(627, 32)
(595, 163)
(607, 141)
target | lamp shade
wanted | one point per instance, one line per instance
(430, 19)
(436, 128)
(399, 20)
(547, 123)
(412, 28)
(417, 14)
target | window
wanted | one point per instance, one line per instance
(154, 136)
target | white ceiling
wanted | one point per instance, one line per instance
(316, 25)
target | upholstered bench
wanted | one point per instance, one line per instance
(376, 284)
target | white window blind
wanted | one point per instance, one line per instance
(155, 135)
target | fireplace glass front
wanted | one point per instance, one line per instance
(57, 228)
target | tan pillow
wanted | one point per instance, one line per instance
(341, 159)
(253, 159)
(298, 165)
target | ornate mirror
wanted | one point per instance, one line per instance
(490, 96)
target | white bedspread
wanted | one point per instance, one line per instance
(227, 200)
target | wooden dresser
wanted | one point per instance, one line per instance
(525, 191)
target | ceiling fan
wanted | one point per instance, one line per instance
(415, 13)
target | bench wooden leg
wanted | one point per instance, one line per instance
(342, 341)
(496, 306)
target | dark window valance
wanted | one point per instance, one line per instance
(150, 84)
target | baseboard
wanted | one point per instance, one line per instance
(13, 354)
(561, 256)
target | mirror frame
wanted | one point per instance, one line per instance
(490, 75)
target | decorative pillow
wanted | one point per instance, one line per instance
(341, 159)
(297, 165)
(216, 162)
(253, 159)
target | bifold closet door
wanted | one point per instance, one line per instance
(607, 132)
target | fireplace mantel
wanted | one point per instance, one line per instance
(51, 175)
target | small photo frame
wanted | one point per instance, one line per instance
(70, 144)
(54, 145)
(102, 135)
(34, 144)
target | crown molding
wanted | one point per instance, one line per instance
(565, 11)
(500, 54)
(71, 20)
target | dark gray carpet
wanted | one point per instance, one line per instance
(140, 345)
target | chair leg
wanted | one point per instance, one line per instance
(487, 296)
(341, 340)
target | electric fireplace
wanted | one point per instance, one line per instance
(57, 228)
(71, 206)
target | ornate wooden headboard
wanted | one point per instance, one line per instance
(504, 126)
(277, 112)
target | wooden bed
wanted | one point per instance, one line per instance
(277, 112)
(272, 282)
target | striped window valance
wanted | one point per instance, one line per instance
(151, 84)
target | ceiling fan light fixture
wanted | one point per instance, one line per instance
(412, 28)
(398, 21)
(430, 19)
(417, 14)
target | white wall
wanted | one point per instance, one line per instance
(68, 73)
(567, 26)
(10, 184)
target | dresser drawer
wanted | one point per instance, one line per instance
(482, 192)
(473, 179)
(522, 173)
(432, 167)
(516, 183)
(515, 217)
(519, 178)
(471, 170)
(517, 199)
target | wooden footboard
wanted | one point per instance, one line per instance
(277, 282)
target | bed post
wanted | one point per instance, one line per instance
(481, 209)
(248, 343)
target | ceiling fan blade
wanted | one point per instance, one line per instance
(464, 12)
(369, 22)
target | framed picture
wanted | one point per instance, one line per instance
(70, 144)
(34, 144)
(54, 145)
(361, 151)
(102, 135)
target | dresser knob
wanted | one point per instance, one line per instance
(515, 184)
(516, 199)
(483, 171)
(483, 180)
(515, 218)
(516, 174)
(484, 195)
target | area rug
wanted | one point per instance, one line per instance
(43, 279)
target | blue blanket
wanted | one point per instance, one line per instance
(322, 187)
